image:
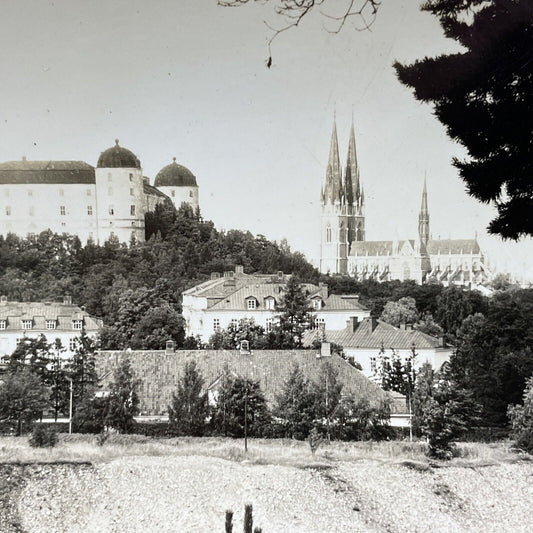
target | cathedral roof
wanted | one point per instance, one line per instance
(46, 172)
(453, 246)
(371, 248)
(175, 175)
(118, 157)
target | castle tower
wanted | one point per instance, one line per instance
(334, 220)
(354, 194)
(179, 184)
(423, 218)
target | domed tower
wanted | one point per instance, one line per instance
(179, 184)
(120, 202)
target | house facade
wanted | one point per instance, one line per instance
(225, 299)
(368, 341)
(28, 320)
(74, 197)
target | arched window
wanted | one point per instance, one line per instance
(328, 234)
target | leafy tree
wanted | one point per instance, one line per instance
(422, 395)
(428, 325)
(327, 391)
(295, 312)
(483, 96)
(188, 411)
(123, 401)
(23, 397)
(59, 384)
(33, 353)
(521, 417)
(244, 330)
(296, 404)
(401, 312)
(90, 414)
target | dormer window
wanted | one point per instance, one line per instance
(27, 324)
(251, 303)
(317, 304)
(3, 324)
(50, 324)
(270, 303)
(77, 324)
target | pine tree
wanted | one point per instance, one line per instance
(295, 312)
(188, 411)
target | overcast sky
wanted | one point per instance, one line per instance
(187, 78)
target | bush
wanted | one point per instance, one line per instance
(43, 437)
(522, 419)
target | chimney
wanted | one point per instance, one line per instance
(228, 274)
(3, 299)
(170, 347)
(373, 323)
(325, 349)
(215, 275)
(146, 180)
(409, 327)
(280, 274)
(323, 290)
(352, 324)
(442, 342)
(402, 326)
(67, 299)
(239, 269)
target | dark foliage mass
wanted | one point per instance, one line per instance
(483, 96)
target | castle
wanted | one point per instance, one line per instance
(345, 250)
(92, 203)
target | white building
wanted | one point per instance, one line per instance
(215, 304)
(63, 321)
(368, 341)
(93, 203)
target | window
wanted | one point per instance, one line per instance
(131, 178)
(50, 324)
(89, 209)
(110, 191)
(173, 193)
(328, 234)
(30, 192)
(131, 192)
(317, 303)
(234, 322)
(8, 210)
(61, 192)
(72, 344)
(251, 303)
(89, 192)
(373, 364)
(268, 325)
(27, 324)
(32, 210)
(111, 210)
(62, 210)
(77, 324)
(320, 323)
(270, 303)
(132, 210)
(191, 194)
(216, 324)
(2, 324)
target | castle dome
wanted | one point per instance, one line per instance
(175, 175)
(118, 157)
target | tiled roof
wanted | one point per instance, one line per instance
(382, 335)
(175, 175)
(149, 189)
(159, 372)
(39, 312)
(453, 246)
(59, 172)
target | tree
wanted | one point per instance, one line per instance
(23, 397)
(401, 312)
(244, 330)
(327, 392)
(295, 312)
(123, 401)
(295, 406)
(521, 417)
(188, 411)
(33, 353)
(423, 392)
(483, 96)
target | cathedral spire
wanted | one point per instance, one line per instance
(423, 217)
(353, 190)
(333, 186)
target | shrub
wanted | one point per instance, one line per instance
(314, 439)
(522, 419)
(43, 437)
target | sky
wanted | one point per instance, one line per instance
(188, 79)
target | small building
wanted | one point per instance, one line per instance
(225, 299)
(64, 321)
(159, 372)
(370, 339)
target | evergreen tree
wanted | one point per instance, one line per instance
(123, 401)
(295, 312)
(423, 392)
(521, 417)
(188, 411)
(328, 395)
(483, 95)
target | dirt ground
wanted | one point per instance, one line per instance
(191, 494)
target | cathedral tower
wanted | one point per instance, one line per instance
(423, 218)
(342, 202)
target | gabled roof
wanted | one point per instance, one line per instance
(453, 246)
(371, 248)
(40, 312)
(160, 372)
(376, 335)
(45, 172)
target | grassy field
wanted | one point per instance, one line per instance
(78, 448)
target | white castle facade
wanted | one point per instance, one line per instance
(93, 203)
(345, 250)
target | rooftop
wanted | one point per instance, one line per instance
(46, 172)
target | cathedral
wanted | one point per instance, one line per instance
(95, 204)
(345, 250)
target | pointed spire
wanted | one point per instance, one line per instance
(423, 217)
(333, 186)
(353, 186)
